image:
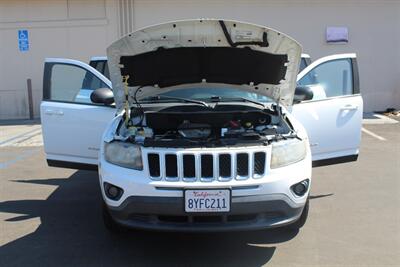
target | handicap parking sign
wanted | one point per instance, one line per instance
(23, 40)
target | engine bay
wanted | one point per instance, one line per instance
(204, 126)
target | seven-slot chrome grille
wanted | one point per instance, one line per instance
(205, 167)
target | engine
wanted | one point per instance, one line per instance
(189, 126)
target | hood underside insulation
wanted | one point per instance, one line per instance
(174, 66)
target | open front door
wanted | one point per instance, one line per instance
(72, 125)
(333, 116)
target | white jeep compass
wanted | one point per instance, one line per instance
(206, 125)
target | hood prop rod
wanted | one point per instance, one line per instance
(126, 90)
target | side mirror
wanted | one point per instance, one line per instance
(102, 96)
(302, 93)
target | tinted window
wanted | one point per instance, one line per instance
(303, 64)
(101, 66)
(72, 84)
(333, 77)
(106, 71)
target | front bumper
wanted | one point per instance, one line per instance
(167, 214)
(257, 203)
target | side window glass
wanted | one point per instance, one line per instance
(303, 64)
(100, 66)
(329, 79)
(73, 84)
(106, 71)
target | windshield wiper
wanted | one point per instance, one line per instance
(159, 97)
(218, 98)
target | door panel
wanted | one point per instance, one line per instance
(72, 125)
(333, 117)
(333, 126)
(72, 132)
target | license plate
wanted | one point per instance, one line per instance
(216, 200)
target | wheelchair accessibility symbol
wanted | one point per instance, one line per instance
(23, 40)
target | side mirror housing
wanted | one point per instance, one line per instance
(302, 93)
(102, 96)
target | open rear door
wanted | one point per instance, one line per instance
(72, 125)
(333, 117)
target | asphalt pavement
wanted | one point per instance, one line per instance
(52, 216)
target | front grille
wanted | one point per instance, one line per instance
(154, 164)
(242, 164)
(189, 166)
(203, 166)
(171, 166)
(259, 163)
(207, 166)
(225, 165)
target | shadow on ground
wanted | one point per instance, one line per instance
(72, 233)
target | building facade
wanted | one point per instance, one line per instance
(80, 29)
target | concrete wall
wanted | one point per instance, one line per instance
(58, 28)
(374, 32)
(80, 29)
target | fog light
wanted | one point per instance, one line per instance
(300, 188)
(112, 192)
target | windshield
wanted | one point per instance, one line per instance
(206, 94)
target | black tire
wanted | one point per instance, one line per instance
(109, 222)
(302, 220)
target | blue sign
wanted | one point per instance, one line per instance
(23, 40)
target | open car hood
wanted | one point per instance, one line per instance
(203, 53)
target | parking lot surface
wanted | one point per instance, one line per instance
(52, 216)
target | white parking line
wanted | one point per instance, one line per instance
(373, 134)
(18, 136)
(33, 137)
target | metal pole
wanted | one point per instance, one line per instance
(30, 100)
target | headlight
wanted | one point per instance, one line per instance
(124, 154)
(287, 152)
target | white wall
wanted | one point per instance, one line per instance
(83, 28)
(58, 28)
(374, 31)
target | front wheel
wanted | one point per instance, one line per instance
(302, 220)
